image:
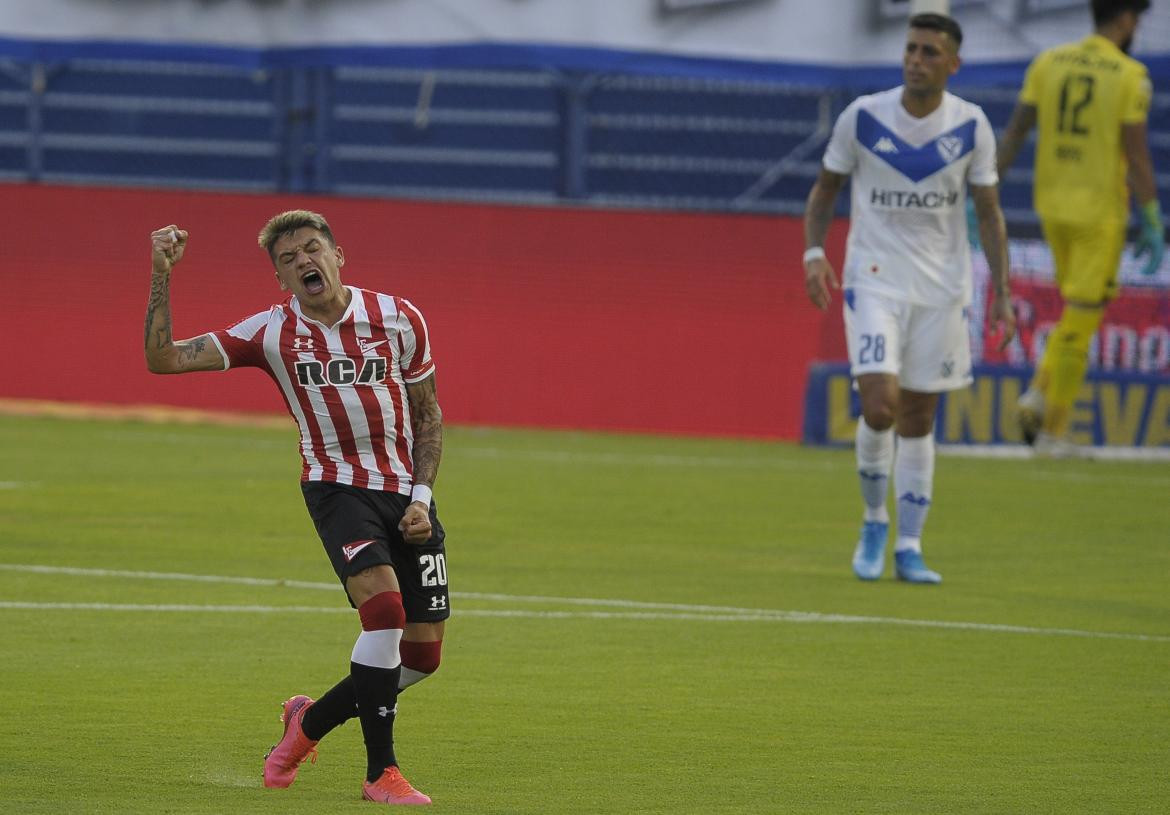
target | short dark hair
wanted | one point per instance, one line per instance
(941, 23)
(1105, 10)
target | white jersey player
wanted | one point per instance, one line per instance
(912, 154)
(909, 176)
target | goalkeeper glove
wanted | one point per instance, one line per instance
(1152, 238)
(972, 224)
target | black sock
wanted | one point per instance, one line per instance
(376, 690)
(335, 707)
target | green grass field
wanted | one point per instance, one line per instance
(584, 670)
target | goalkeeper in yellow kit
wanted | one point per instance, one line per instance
(1088, 101)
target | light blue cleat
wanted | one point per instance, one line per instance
(911, 568)
(870, 556)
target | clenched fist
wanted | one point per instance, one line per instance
(166, 248)
(415, 525)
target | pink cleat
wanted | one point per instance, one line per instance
(284, 759)
(392, 788)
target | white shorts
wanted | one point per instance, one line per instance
(927, 348)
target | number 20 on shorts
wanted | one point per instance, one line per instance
(434, 570)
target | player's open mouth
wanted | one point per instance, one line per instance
(313, 282)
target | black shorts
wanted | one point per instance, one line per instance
(359, 529)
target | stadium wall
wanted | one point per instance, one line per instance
(762, 30)
(566, 318)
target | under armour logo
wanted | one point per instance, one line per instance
(302, 344)
(384, 711)
(438, 601)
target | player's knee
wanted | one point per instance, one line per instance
(419, 660)
(382, 612)
(382, 619)
(423, 657)
(878, 415)
(1074, 332)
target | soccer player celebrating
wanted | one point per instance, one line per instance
(912, 152)
(355, 370)
(1089, 102)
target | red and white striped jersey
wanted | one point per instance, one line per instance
(345, 385)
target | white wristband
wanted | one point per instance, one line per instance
(421, 493)
(814, 253)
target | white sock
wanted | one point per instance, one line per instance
(875, 457)
(377, 649)
(913, 484)
(410, 676)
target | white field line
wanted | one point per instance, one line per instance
(547, 456)
(1051, 471)
(200, 439)
(164, 414)
(196, 578)
(671, 460)
(1103, 453)
(1020, 451)
(655, 611)
(158, 414)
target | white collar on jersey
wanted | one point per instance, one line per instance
(353, 296)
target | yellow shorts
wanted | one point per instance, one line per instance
(1087, 258)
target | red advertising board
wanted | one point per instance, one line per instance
(540, 317)
(1135, 333)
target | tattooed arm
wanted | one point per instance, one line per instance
(819, 277)
(426, 420)
(163, 355)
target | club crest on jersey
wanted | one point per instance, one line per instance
(302, 343)
(369, 345)
(915, 163)
(949, 147)
(350, 550)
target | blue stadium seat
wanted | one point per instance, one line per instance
(523, 135)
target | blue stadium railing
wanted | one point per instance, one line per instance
(587, 127)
